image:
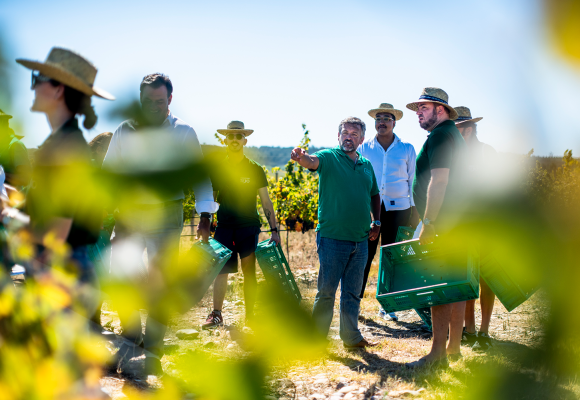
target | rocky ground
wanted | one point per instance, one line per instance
(375, 374)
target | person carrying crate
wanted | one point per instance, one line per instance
(436, 190)
(480, 155)
(348, 194)
(394, 164)
(237, 183)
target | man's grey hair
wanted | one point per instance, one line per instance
(354, 121)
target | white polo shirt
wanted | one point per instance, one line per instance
(394, 169)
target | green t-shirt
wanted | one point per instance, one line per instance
(237, 185)
(444, 148)
(344, 192)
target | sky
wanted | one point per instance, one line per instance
(277, 65)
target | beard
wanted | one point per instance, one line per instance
(347, 146)
(429, 124)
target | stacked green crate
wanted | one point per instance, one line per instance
(206, 260)
(510, 289)
(406, 233)
(276, 269)
(413, 276)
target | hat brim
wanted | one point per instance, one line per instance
(473, 120)
(245, 132)
(397, 113)
(452, 113)
(65, 77)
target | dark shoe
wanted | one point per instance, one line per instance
(213, 319)
(422, 362)
(360, 345)
(123, 356)
(153, 366)
(483, 343)
(454, 357)
(468, 339)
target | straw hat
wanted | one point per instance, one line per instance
(464, 115)
(70, 69)
(434, 95)
(236, 127)
(3, 115)
(386, 108)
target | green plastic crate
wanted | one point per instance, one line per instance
(99, 253)
(425, 314)
(415, 276)
(276, 269)
(511, 292)
(209, 258)
(404, 233)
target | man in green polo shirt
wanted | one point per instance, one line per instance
(348, 193)
(437, 191)
(237, 182)
(13, 155)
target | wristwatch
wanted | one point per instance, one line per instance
(427, 222)
(274, 230)
(205, 214)
(377, 223)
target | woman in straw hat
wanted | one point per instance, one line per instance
(60, 201)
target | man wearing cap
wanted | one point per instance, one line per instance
(480, 156)
(394, 164)
(237, 182)
(348, 195)
(153, 221)
(435, 187)
(13, 155)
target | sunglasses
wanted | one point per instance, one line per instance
(386, 119)
(237, 136)
(39, 78)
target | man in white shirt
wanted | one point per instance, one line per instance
(394, 164)
(158, 141)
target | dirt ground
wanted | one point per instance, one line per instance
(375, 374)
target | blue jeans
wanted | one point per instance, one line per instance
(340, 262)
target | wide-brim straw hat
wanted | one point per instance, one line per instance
(70, 69)
(464, 115)
(434, 95)
(236, 127)
(3, 115)
(388, 109)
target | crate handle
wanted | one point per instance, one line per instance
(421, 294)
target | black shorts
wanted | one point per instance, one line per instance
(241, 241)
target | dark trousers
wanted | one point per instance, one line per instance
(390, 222)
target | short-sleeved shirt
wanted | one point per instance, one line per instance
(13, 152)
(58, 164)
(444, 148)
(344, 195)
(237, 185)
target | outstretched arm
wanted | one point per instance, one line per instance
(304, 159)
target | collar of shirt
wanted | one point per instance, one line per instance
(342, 153)
(169, 121)
(395, 141)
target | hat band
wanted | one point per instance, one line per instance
(463, 118)
(426, 97)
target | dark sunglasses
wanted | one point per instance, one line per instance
(39, 78)
(386, 119)
(237, 136)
